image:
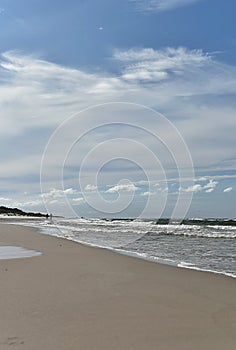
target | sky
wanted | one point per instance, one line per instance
(118, 108)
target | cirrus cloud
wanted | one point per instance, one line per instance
(189, 86)
(160, 5)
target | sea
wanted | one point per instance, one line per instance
(199, 244)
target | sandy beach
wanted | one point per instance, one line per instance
(76, 297)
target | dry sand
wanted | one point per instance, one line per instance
(75, 297)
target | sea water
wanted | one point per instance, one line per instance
(208, 245)
(14, 252)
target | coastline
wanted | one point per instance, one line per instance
(178, 258)
(79, 297)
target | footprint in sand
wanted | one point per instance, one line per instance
(12, 341)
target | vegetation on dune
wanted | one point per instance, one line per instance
(18, 212)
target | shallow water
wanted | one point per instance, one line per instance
(13, 252)
(203, 245)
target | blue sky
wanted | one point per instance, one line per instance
(177, 57)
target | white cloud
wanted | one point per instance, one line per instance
(147, 194)
(160, 5)
(202, 178)
(208, 188)
(54, 201)
(189, 86)
(5, 199)
(34, 86)
(90, 187)
(167, 58)
(195, 188)
(228, 189)
(216, 177)
(78, 200)
(122, 188)
(57, 193)
(32, 203)
(69, 191)
(155, 65)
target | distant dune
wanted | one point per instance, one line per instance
(18, 212)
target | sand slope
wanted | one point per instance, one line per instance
(75, 297)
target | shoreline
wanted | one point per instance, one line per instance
(135, 255)
(78, 297)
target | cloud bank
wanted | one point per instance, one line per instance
(190, 87)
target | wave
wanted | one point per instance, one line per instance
(198, 221)
(172, 262)
(206, 248)
(134, 230)
(214, 235)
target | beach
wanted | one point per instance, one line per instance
(79, 297)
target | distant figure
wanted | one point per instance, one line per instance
(50, 218)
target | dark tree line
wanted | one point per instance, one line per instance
(18, 212)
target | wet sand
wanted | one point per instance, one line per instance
(75, 297)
